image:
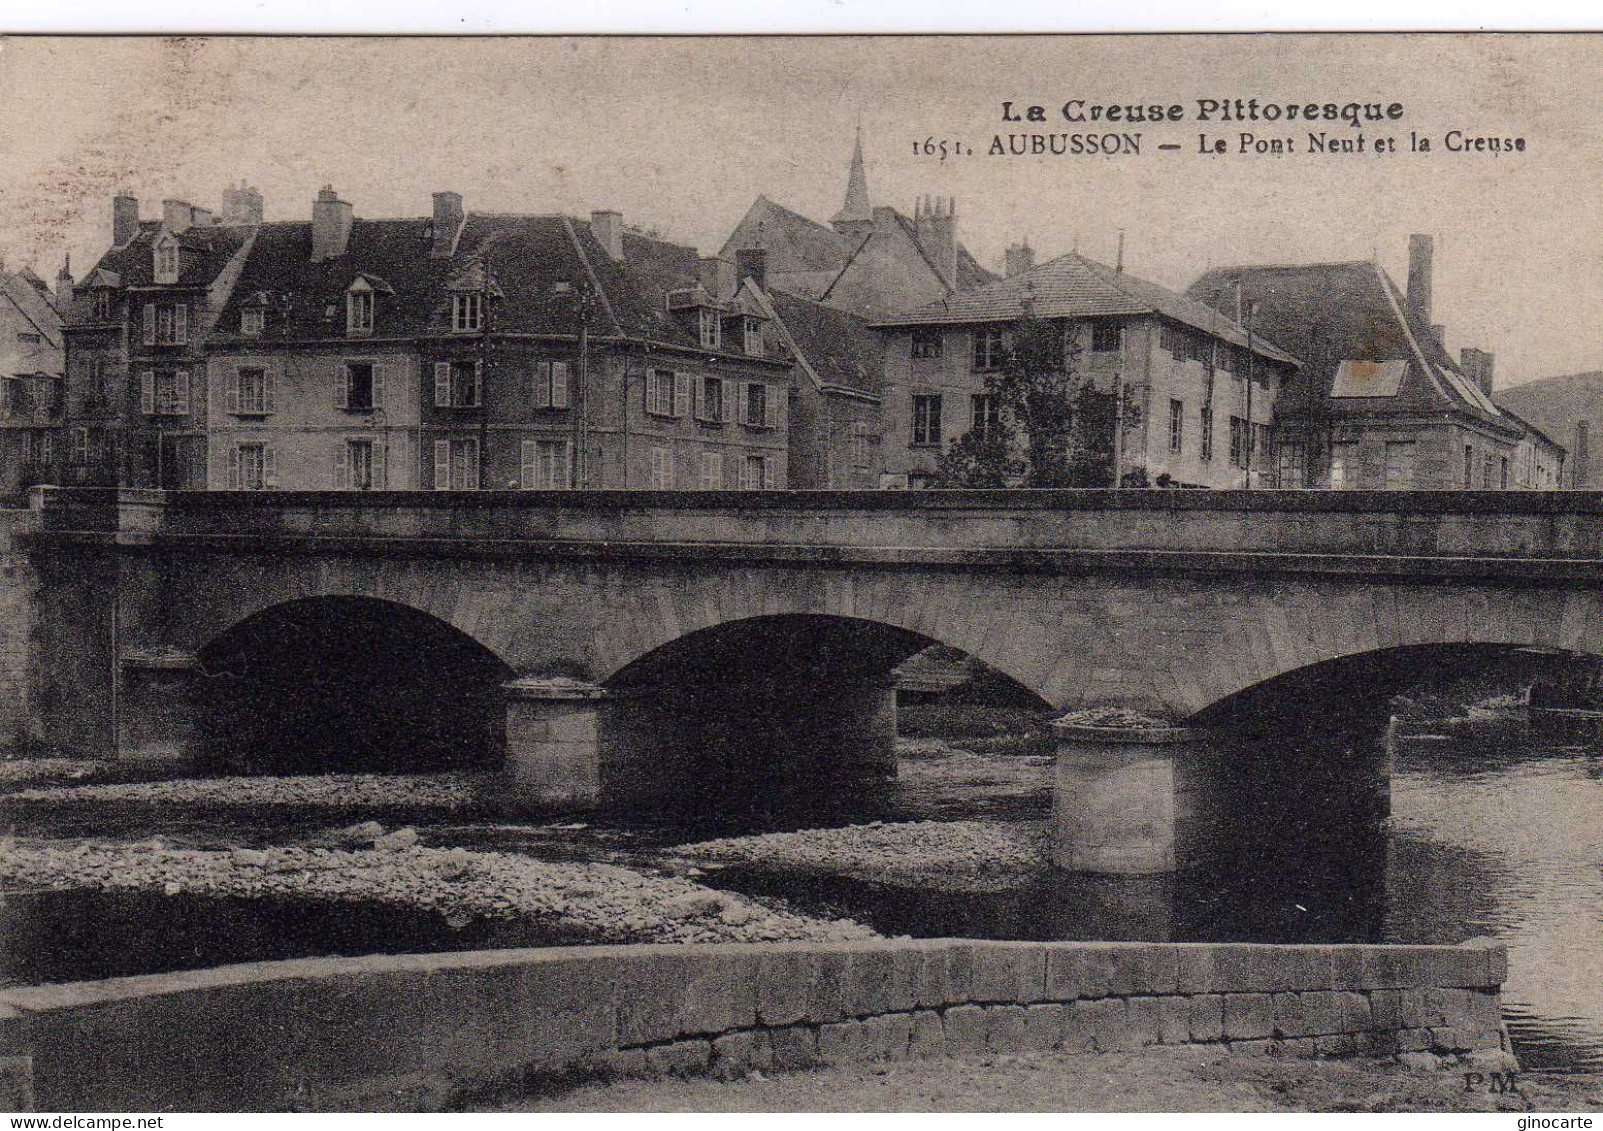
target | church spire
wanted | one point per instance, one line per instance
(857, 208)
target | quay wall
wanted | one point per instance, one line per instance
(431, 1031)
(20, 727)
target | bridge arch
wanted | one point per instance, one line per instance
(347, 683)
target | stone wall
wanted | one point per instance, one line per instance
(19, 617)
(429, 1031)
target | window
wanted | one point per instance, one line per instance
(1238, 442)
(467, 311)
(456, 384)
(711, 329)
(252, 319)
(1486, 473)
(1225, 357)
(757, 474)
(662, 468)
(682, 390)
(988, 348)
(762, 407)
(712, 471)
(362, 390)
(359, 312)
(80, 446)
(103, 305)
(360, 465)
(1206, 429)
(166, 324)
(1107, 336)
(456, 465)
(167, 262)
(252, 467)
(164, 393)
(710, 406)
(252, 393)
(754, 336)
(546, 465)
(551, 386)
(28, 339)
(1502, 473)
(1343, 466)
(38, 448)
(1469, 466)
(859, 443)
(985, 416)
(1291, 466)
(660, 393)
(927, 344)
(1177, 424)
(1399, 465)
(927, 418)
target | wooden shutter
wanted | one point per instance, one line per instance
(342, 386)
(681, 394)
(442, 465)
(234, 390)
(528, 476)
(150, 324)
(442, 385)
(270, 467)
(701, 398)
(542, 384)
(559, 384)
(269, 390)
(769, 467)
(724, 398)
(342, 466)
(771, 395)
(380, 379)
(478, 386)
(181, 392)
(381, 465)
(470, 465)
(181, 324)
(147, 392)
(233, 467)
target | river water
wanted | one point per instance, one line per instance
(1496, 830)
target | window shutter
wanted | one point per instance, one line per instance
(478, 386)
(342, 466)
(181, 323)
(381, 465)
(233, 391)
(150, 324)
(269, 390)
(529, 468)
(147, 392)
(442, 463)
(470, 466)
(771, 395)
(181, 392)
(701, 397)
(442, 385)
(681, 394)
(768, 473)
(745, 474)
(270, 467)
(233, 468)
(559, 384)
(542, 384)
(380, 378)
(342, 387)
(725, 396)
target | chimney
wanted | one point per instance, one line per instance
(177, 215)
(448, 218)
(935, 222)
(242, 205)
(64, 288)
(752, 263)
(124, 220)
(201, 217)
(331, 225)
(1020, 258)
(607, 227)
(717, 276)
(1478, 367)
(1580, 475)
(1420, 252)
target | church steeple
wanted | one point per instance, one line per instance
(856, 209)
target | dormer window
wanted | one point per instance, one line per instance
(359, 308)
(251, 321)
(754, 336)
(103, 306)
(167, 262)
(711, 329)
(467, 311)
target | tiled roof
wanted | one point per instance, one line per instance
(837, 346)
(1557, 404)
(1334, 312)
(1072, 286)
(35, 307)
(134, 263)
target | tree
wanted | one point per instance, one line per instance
(1050, 431)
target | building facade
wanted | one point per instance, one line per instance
(32, 385)
(1381, 405)
(1196, 390)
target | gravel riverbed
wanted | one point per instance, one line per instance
(448, 791)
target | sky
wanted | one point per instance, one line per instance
(682, 134)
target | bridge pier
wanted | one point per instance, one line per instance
(157, 710)
(1133, 800)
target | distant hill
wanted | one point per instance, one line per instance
(1554, 404)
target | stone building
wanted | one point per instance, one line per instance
(136, 383)
(32, 389)
(1564, 407)
(1380, 403)
(1198, 391)
(869, 260)
(475, 351)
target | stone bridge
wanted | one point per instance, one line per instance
(629, 647)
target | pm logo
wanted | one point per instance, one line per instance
(1495, 1083)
